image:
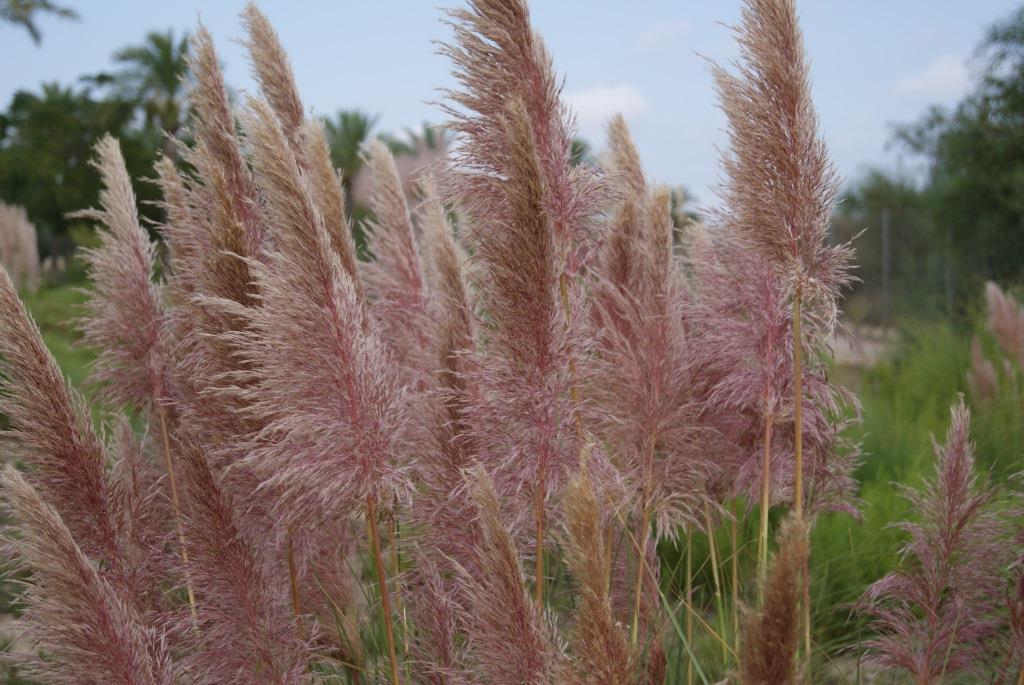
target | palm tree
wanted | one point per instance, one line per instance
(154, 77)
(23, 13)
(346, 134)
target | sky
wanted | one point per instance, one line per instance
(875, 63)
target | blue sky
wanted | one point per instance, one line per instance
(875, 63)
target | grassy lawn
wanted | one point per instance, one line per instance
(54, 307)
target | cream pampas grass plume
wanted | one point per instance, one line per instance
(771, 634)
(509, 641)
(1006, 321)
(600, 644)
(19, 249)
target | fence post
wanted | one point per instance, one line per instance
(886, 222)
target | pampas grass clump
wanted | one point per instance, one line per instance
(453, 461)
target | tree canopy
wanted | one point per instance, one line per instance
(975, 152)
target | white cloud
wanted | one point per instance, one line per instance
(946, 78)
(595, 105)
(661, 35)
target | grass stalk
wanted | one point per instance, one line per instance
(734, 568)
(798, 465)
(798, 408)
(689, 603)
(385, 600)
(641, 564)
(762, 538)
(719, 604)
(644, 537)
(538, 573)
(173, 483)
(396, 568)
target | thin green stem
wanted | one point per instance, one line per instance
(385, 600)
(719, 604)
(734, 568)
(689, 603)
(762, 539)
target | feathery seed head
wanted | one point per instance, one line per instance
(79, 619)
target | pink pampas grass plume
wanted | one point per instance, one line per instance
(52, 433)
(325, 184)
(643, 390)
(394, 277)
(531, 218)
(307, 139)
(739, 320)
(445, 262)
(76, 618)
(212, 219)
(336, 407)
(213, 226)
(217, 155)
(982, 378)
(500, 60)
(1006, 321)
(780, 183)
(140, 514)
(245, 631)
(272, 70)
(125, 316)
(1013, 666)
(934, 616)
(778, 194)
(440, 509)
(436, 652)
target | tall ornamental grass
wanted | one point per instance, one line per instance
(454, 460)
